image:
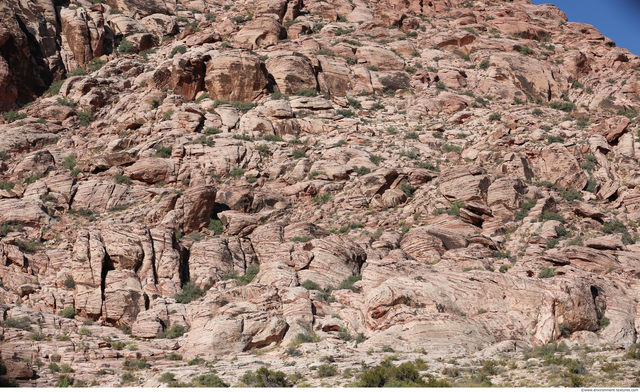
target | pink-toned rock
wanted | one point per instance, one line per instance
(558, 165)
(88, 263)
(123, 297)
(422, 246)
(147, 325)
(260, 32)
(187, 76)
(152, 170)
(221, 83)
(291, 71)
(381, 58)
(464, 183)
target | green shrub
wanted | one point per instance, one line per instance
(603, 322)
(455, 207)
(216, 226)
(311, 285)
(236, 172)
(484, 64)
(178, 49)
(125, 46)
(451, 148)
(69, 282)
(37, 336)
(265, 378)
(404, 375)
(20, 323)
(64, 381)
(571, 194)
(301, 239)
(77, 72)
(120, 179)
(299, 153)
(563, 106)
(190, 291)
(84, 332)
(127, 378)
(53, 367)
(30, 246)
(354, 103)
(408, 189)
(615, 226)
(175, 331)
(362, 170)
(85, 117)
(66, 369)
(345, 113)
(209, 381)
(125, 329)
(590, 163)
(68, 312)
(495, 117)
(526, 51)
(348, 283)
(634, 351)
(547, 272)
(13, 115)
(326, 370)
(64, 101)
(548, 215)
(54, 89)
(212, 131)
(174, 357)
(163, 152)
(554, 139)
(322, 199)
(133, 364)
(272, 138)
(167, 377)
(306, 92)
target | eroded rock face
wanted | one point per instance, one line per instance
(459, 192)
(123, 297)
(559, 166)
(140, 8)
(84, 36)
(465, 183)
(221, 80)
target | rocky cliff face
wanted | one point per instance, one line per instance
(247, 182)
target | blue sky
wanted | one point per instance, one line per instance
(616, 19)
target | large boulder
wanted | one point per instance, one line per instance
(558, 165)
(196, 206)
(505, 196)
(187, 75)
(291, 71)
(262, 31)
(123, 297)
(82, 36)
(214, 258)
(332, 260)
(222, 81)
(151, 170)
(160, 25)
(381, 58)
(464, 183)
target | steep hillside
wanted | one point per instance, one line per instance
(395, 192)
